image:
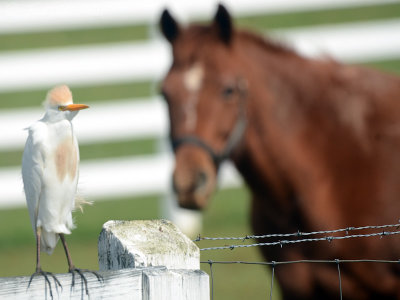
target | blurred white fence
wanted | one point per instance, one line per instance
(45, 15)
(148, 60)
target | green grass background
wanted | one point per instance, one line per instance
(228, 213)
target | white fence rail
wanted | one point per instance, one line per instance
(149, 60)
(121, 120)
(141, 119)
(145, 175)
(39, 15)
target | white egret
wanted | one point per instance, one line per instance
(50, 175)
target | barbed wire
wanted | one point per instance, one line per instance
(276, 263)
(285, 242)
(299, 234)
(298, 237)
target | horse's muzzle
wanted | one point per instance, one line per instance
(194, 177)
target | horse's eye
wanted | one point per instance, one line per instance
(228, 91)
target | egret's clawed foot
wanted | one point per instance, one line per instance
(46, 275)
(83, 278)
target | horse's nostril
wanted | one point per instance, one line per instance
(190, 183)
(201, 180)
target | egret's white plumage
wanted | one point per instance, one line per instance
(50, 168)
(50, 173)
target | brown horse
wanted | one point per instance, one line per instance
(317, 142)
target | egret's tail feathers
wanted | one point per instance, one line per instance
(50, 235)
(48, 241)
(80, 202)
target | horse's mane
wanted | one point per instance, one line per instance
(250, 37)
(265, 43)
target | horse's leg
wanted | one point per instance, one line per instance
(296, 280)
(329, 286)
(379, 278)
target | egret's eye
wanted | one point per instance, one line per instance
(62, 107)
(228, 92)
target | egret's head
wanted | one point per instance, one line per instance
(59, 102)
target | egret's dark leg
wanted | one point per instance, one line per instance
(38, 236)
(70, 263)
(39, 270)
(72, 268)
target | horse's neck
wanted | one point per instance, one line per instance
(274, 99)
(258, 166)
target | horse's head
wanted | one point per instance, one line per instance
(205, 92)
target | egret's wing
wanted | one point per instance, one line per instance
(32, 168)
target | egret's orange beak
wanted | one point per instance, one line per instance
(73, 107)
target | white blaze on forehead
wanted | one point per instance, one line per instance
(60, 95)
(193, 78)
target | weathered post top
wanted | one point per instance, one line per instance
(145, 243)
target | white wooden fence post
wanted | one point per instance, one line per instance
(145, 244)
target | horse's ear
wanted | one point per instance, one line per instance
(169, 27)
(223, 24)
